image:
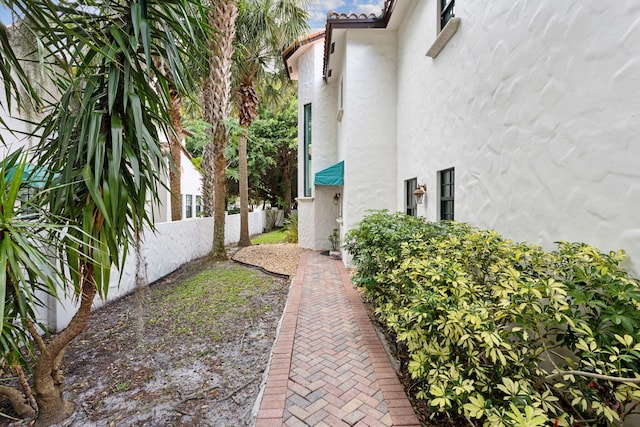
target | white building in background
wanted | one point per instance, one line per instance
(523, 117)
(190, 188)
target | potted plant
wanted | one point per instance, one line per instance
(334, 239)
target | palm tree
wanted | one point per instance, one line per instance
(216, 108)
(175, 147)
(264, 29)
(101, 137)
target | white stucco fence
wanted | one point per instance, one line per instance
(163, 251)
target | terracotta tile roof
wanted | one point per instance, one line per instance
(350, 16)
(337, 20)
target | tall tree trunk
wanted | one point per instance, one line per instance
(220, 191)
(243, 177)
(175, 147)
(208, 178)
(47, 374)
(216, 107)
(247, 107)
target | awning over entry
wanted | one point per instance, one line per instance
(33, 176)
(333, 175)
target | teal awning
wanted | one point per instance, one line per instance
(33, 175)
(333, 175)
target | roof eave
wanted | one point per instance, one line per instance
(293, 47)
(340, 22)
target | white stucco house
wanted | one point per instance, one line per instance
(190, 188)
(522, 117)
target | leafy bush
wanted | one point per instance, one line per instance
(504, 333)
(290, 228)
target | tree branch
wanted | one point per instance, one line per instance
(26, 388)
(36, 337)
(19, 403)
(592, 375)
(630, 410)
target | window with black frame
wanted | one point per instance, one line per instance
(410, 186)
(188, 201)
(198, 206)
(446, 11)
(307, 150)
(28, 208)
(447, 187)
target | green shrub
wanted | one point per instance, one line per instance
(375, 243)
(290, 228)
(503, 333)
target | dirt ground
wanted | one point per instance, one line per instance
(135, 366)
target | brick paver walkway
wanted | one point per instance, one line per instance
(328, 366)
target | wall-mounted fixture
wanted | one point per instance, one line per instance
(336, 198)
(420, 192)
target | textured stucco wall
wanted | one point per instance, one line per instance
(174, 244)
(306, 228)
(364, 137)
(306, 83)
(23, 42)
(326, 214)
(536, 107)
(368, 138)
(316, 215)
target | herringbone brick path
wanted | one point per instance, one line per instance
(329, 367)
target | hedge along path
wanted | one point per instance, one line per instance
(479, 314)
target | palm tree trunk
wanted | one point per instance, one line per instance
(244, 190)
(175, 147)
(216, 107)
(47, 375)
(220, 192)
(247, 107)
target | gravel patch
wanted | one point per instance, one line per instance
(280, 258)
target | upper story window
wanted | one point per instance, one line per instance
(307, 150)
(410, 186)
(446, 11)
(448, 23)
(447, 187)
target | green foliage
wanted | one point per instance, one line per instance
(272, 152)
(504, 333)
(108, 68)
(102, 132)
(291, 228)
(277, 236)
(25, 248)
(375, 243)
(200, 136)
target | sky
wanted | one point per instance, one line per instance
(5, 15)
(318, 10)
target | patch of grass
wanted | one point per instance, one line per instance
(202, 304)
(121, 386)
(276, 236)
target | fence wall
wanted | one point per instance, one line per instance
(172, 245)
